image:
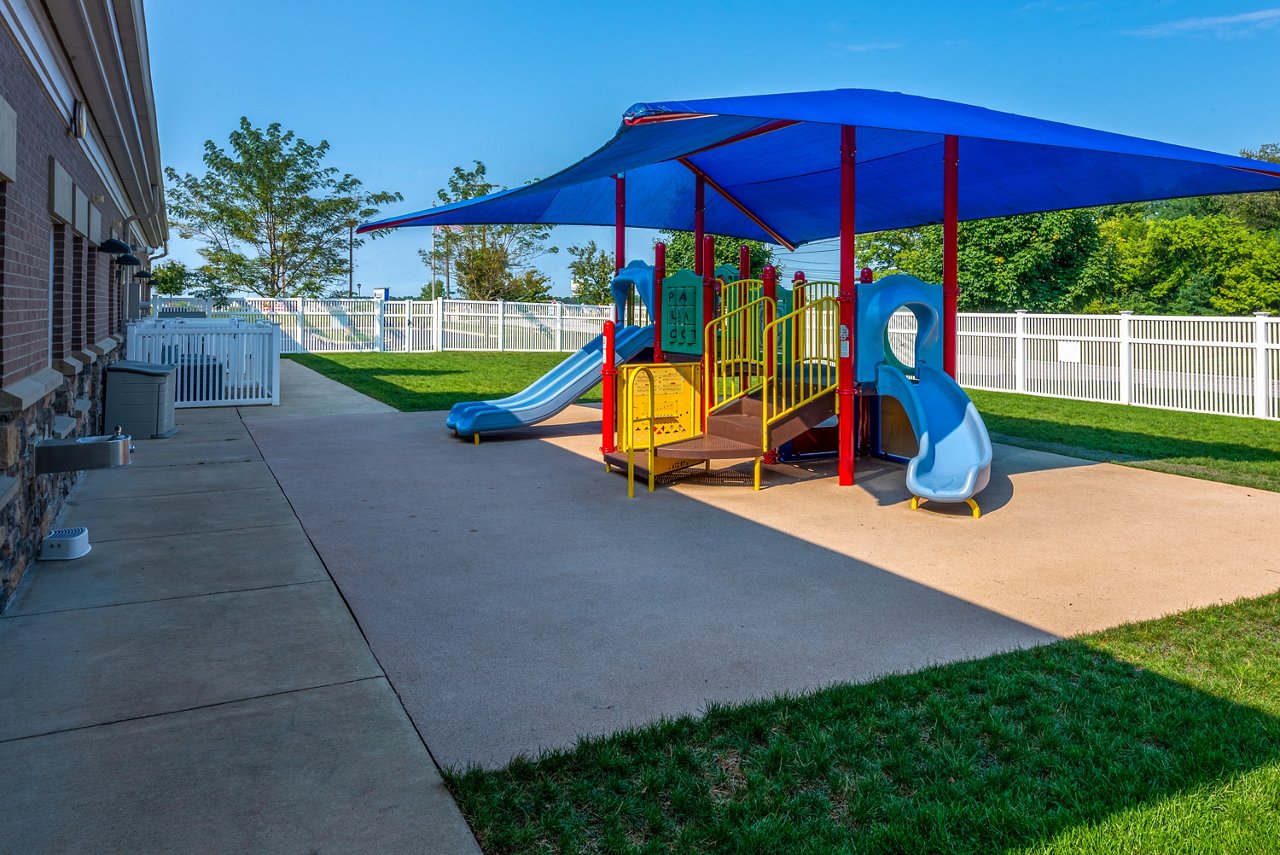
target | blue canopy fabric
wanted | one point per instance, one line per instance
(778, 156)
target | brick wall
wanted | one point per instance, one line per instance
(86, 311)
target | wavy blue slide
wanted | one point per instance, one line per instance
(954, 461)
(552, 392)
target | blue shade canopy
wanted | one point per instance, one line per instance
(777, 157)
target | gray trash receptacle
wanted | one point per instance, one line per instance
(140, 398)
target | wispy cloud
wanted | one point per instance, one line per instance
(865, 47)
(1225, 26)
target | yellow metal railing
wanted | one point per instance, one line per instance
(672, 411)
(808, 369)
(734, 352)
(808, 291)
(735, 295)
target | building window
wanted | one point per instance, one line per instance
(59, 295)
(92, 313)
(79, 295)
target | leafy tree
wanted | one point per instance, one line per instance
(488, 262)
(431, 290)
(1190, 265)
(273, 218)
(1040, 262)
(592, 270)
(170, 278)
(680, 252)
(1257, 210)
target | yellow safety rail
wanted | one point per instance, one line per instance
(735, 295)
(734, 352)
(807, 370)
(807, 291)
(672, 411)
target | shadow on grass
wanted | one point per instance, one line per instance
(1007, 751)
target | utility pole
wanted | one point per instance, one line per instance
(351, 256)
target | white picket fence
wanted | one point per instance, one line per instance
(1227, 366)
(221, 362)
(409, 326)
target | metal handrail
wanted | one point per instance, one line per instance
(808, 369)
(735, 354)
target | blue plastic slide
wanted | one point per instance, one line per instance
(954, 461)
(552, 392)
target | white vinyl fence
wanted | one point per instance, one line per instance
(221, 362)
(1228, 366)
(406, 326)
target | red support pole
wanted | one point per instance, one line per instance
(608, 383)
(744, 262)
(769, 278)
(619, 222)
(797, 302)
(659, 274)
(708, 264)
(845, 393)
(950, 250)
(699, 223)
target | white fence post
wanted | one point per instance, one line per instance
(275, 365)
(502, 325)
(1126, 357)
(1261, 367)
(379, 322)
(1020, 351)
(437, 324)
(299, 334)
(559, 326)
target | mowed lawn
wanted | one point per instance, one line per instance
(1219, 448)
(435, 381)
(1159, 737)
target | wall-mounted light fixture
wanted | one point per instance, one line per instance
(114, 246)
(79, 120)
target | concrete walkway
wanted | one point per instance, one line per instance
(519, 600)
(197, 683)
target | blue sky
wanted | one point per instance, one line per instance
(405, 90)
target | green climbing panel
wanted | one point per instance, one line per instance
(682, 313)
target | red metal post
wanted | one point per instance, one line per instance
(699, 222)
(950, 249)
(848, 304)
(608, 382)
(619, 222)
(797, 302)
(659, 274)
(744, 262)
(708, 264)
(769, 288)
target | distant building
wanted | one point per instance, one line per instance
(79, 166)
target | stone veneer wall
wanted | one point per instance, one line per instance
(73, 409)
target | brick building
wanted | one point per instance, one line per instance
(79, 166)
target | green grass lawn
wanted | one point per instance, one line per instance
(1158, 737)
(1218, 448)
(435, 381)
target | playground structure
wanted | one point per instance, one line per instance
(747, 369)
(792, 168)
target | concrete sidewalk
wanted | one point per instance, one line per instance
(197, 683)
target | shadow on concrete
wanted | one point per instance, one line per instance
(519, 600)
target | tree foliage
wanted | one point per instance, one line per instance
(170, 278)
(680, 252)
(273, 218)
(488, 262)
(592, 270)
(1042, 262)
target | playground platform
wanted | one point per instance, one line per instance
(517, 599)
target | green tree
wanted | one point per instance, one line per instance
(170, 278)
(488, 262)
(680, 252)
(274, 219)
(1041, 262)
(1190, 265)
(1257, 210)
(592, 270)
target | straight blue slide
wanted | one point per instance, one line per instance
(552, 392)
(954, 460)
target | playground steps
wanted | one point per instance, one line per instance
(734, 430)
